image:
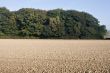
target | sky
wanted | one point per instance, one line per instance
(98, 8)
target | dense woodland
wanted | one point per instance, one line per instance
(51, 24)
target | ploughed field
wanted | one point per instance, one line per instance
(54, 56)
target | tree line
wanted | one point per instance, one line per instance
(51, 24)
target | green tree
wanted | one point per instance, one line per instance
(7, 22)
(57, 23)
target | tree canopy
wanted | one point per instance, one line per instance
(57, 24)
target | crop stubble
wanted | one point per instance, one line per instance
(54, 56)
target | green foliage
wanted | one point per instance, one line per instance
(58, 23)
(7, 22)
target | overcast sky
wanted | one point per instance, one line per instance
(98, 8)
